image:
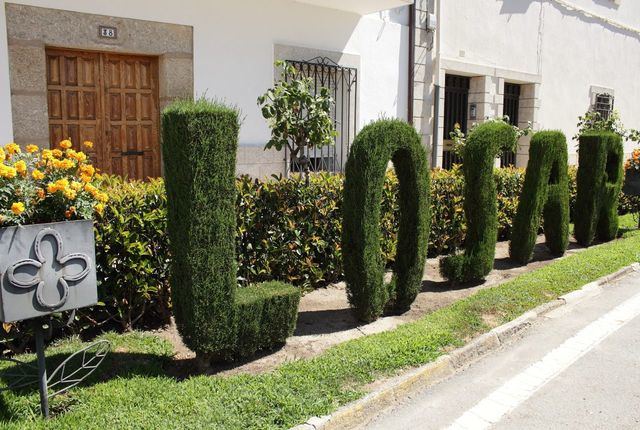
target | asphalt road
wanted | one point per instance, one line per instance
(577, 368)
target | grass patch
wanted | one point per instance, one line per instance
(133, 390)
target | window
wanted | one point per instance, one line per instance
(456, 101)
(511, 108)
(342, 83)
(603, 105)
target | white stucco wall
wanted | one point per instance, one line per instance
(567, 49)
(233, 49)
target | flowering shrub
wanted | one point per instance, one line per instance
(47, 186)
(633, 163)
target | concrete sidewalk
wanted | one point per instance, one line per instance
(576, 368)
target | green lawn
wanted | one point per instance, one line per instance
(132, 390)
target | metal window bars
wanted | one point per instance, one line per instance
(342, 83)
(603, 105)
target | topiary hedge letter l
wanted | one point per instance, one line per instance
(600, 177)
(545, 194)
(373, 148)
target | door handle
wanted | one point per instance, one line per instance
(132, 152)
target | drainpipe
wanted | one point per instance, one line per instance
(412, 53)
(436, 125)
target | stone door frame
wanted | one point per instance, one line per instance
(30, 30)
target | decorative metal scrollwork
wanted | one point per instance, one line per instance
(39, 265)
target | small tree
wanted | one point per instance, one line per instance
(298, 118)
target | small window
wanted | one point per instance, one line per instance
(603, 105)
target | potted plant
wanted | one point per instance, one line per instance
(47, 256)
(298, 118)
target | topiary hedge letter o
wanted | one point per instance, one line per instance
(373, 148)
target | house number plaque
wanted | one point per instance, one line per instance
(108, 32)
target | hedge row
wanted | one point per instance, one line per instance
(284, 231)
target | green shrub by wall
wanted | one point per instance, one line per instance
(132, 258)
(545, 194)
(364, 265)
(482, 146)
(200, 141)
(599, 181)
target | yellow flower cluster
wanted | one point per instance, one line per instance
(36, 174)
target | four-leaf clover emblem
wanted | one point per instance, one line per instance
(48, 275)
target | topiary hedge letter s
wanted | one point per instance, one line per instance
(376, 145)
(545, 194)
(599, 181)
(482, 147)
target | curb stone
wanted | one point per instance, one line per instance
(361, 411)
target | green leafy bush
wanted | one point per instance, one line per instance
(484, 143)
(600, 177)
(132, 257)
(373, 148)
(200, 141)
(545, 195)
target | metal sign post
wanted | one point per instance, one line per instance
(42, 370)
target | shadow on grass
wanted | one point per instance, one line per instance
(325, 321)
(115, 365)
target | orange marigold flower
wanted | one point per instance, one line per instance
(99, 208)
(88, 144)
(32, 148)
(21, 167)
(37, 175)
(101, 197)
(12, 148)
(76, 186)
(65, 144)
(17, 208)
(47, 154)
(88, 170)
(70, 194)
(56, 153)
(8, 172)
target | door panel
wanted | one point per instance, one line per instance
(111, 100)
(132, 115)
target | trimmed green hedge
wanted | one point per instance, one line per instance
(200, 141)
(266, 315)
(484, 143)
(364, 264)
(545, 195)
(600, 178)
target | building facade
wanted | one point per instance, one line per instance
(544, 62)
(102, 71)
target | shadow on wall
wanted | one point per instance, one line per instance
(522, 6)
(516, 6)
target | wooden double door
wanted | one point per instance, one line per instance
(111, 100)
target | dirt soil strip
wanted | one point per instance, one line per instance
(325, 319)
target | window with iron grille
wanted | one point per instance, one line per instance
(603, 105)
(342, 83)
(511, 108)
(456, 102)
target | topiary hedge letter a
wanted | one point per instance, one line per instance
(376, 145)
(545, 194)
(600, 176)
(482, 147)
